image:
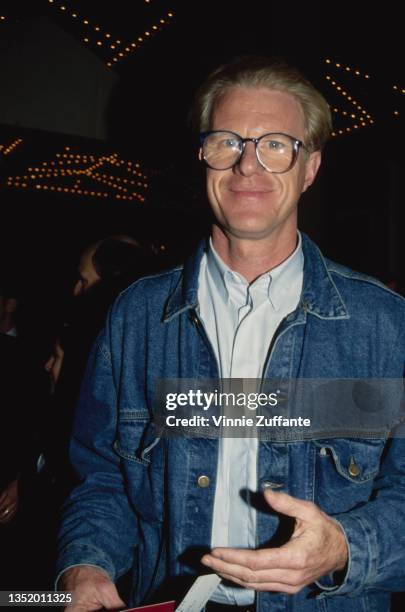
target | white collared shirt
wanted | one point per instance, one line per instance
(240, 320)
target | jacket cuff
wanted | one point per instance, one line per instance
(82, 554)
(361, 561)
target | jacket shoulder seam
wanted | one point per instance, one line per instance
(152, 277)
(364, 278)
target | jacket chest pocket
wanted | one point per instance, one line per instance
(142, 456)
(345, 471)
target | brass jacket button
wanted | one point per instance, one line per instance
(203, 481)
(353, 468)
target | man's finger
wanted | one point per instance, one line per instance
(266, 587)
(290, 506)
(288, 556)
(245, 575)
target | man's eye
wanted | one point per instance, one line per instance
(230, 143)
(275, 145)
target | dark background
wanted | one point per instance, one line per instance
(58, 91)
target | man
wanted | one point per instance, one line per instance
(115, 260)
(259, 301)
(105, 268)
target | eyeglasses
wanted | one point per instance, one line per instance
(277, 153)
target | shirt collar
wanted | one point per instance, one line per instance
(276, 283)
(320, 295)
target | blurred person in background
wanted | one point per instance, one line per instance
(106, 267)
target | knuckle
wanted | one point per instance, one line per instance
(298, 579)
(253, 563)
(248, 576)
(301, 560)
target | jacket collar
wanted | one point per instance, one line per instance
(320, 296)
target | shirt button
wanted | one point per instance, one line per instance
(203, 481)
(353, 468)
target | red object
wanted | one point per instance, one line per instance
(167, 606)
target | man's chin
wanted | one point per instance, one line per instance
(248, 233)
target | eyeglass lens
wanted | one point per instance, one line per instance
(221, 150)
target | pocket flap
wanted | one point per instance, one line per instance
(355, 460)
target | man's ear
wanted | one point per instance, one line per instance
(200, 154)
(311, 169)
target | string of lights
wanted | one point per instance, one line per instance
(85, 175)
(356, 72)
(358, 116)
(115, 47)
(9, 148)
(340, 66)
(138, 42)
(400, 90)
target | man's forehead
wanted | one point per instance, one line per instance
(265, 104)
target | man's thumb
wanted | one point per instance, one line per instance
(288, 505)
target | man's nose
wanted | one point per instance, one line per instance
(248, 163)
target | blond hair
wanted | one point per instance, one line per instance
(271, 73)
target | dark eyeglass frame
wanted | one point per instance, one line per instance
(297, 145)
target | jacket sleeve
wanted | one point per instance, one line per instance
(99, 526)
(375, 533)
(375, 530)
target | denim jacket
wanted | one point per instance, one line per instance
(139, 506)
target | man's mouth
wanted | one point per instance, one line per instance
(249, 192)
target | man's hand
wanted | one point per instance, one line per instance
(8, 502)
(316, 548)
(92, 589)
